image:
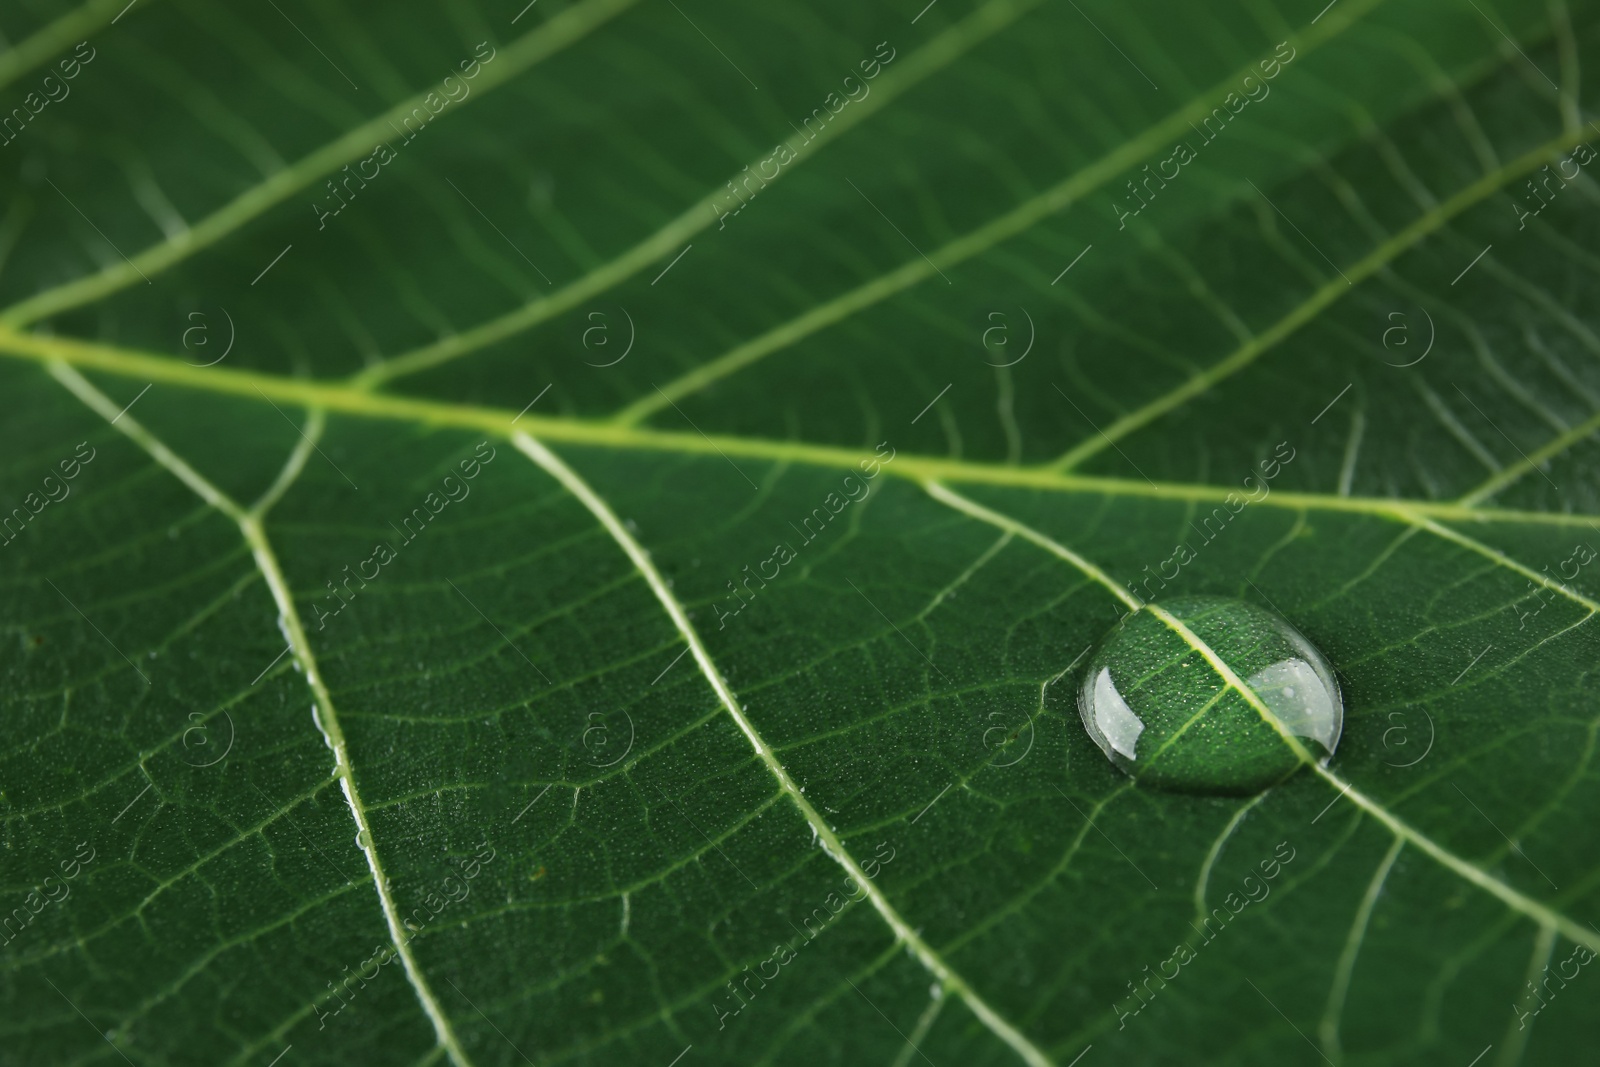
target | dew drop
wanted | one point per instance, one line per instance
(1188, 731)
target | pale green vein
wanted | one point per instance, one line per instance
(1005, 522)
(965, 576)
(74, 26)
(255, 386)
(1204, 880)
(924, 1023)
(80, 941)
(1125, 157)
(1536, 577)
(1512, 898)
(1567, 57)
(289, 620)
(925, 954)
(782, 1041)
(893, 82)
(1003, 914)
(328, 722)
(130, 427)
(431, 1057)
(1534, 460)
(200, 965)
(1333, 1012)
(561, 30)
(1330, 292)
(1453, 426)
(1352, 448)
(1516, 1039)
(309, 436)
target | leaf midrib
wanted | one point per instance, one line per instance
(932, 57)
(563, 30)
(599, 434)
(502, 423)
(250, 525)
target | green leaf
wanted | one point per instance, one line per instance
(571, 533)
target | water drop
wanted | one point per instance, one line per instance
(1188, 730)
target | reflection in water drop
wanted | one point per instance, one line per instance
(1117, 724)
(1310, 714)
(1161, 713)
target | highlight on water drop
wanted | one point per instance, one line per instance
(1160, 711)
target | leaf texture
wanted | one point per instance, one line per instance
(572, 535)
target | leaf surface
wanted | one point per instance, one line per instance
(572, 536)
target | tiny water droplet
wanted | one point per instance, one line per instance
(1188, 731)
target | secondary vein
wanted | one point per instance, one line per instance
(41, 46)
(1056, 198)
(1332, 291)
(558, 469)
(557, 33)
(1513, 898)
(326, 717)
(930, 58)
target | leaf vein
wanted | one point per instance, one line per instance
(835, 848)
(325, 716)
